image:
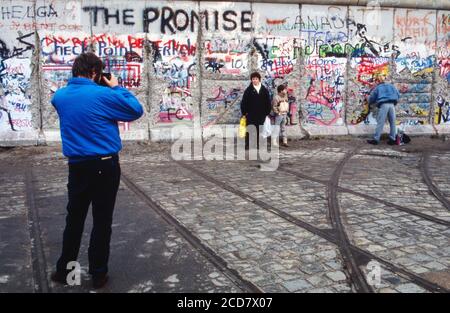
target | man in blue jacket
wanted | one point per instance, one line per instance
(386, 97)
(88, 115)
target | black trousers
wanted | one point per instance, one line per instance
(94, 181)
(247, 140)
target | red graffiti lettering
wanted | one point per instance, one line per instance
(275, 22)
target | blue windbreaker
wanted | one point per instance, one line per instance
(88, 116)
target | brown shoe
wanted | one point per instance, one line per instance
(59, 277)
(98, 281)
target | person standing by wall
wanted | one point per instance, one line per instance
(255, 105)
(280, 107)
(386, 96)
(88, 115)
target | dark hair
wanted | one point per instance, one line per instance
(85, 64)
(255, 74)
(280, 88)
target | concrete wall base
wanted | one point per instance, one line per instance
(227, 130)
(295, 131)
(361, 130)
(369, 130)
(52, 135)
(232, 130)
(418, 130)
(326, 131)
(169, 133)
(19, 138)
(138, 134)
(443, 129)
(165, 133)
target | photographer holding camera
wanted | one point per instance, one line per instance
(88, 114)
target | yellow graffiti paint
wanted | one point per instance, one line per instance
(424, 71)
(419, 111)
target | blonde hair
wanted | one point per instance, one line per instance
(379, 77)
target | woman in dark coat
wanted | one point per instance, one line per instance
(255, 105)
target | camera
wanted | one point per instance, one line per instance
(101, 82)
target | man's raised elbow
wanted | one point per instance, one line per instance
(139, 111)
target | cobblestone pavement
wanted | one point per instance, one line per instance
(227, 226)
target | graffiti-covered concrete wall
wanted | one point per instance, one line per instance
(189, 62)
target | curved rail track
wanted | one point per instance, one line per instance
(434, 189)
(353, 256)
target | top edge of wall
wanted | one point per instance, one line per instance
(416, 4)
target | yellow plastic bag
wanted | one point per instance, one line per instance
(242, 127)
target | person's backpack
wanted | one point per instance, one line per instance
(405, 138)
(402, 138)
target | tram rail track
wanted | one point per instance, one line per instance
(433, 188)
(355, 256)
(427, 217)
(192, 239)
(353, 268)
(39, 264)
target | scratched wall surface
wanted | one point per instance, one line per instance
(442, 86)
(226, 60)
(370, 50)
(323, 33)
(16, 51)
(415, 36)
(174, 58)
(190, 61)
(277, 46)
